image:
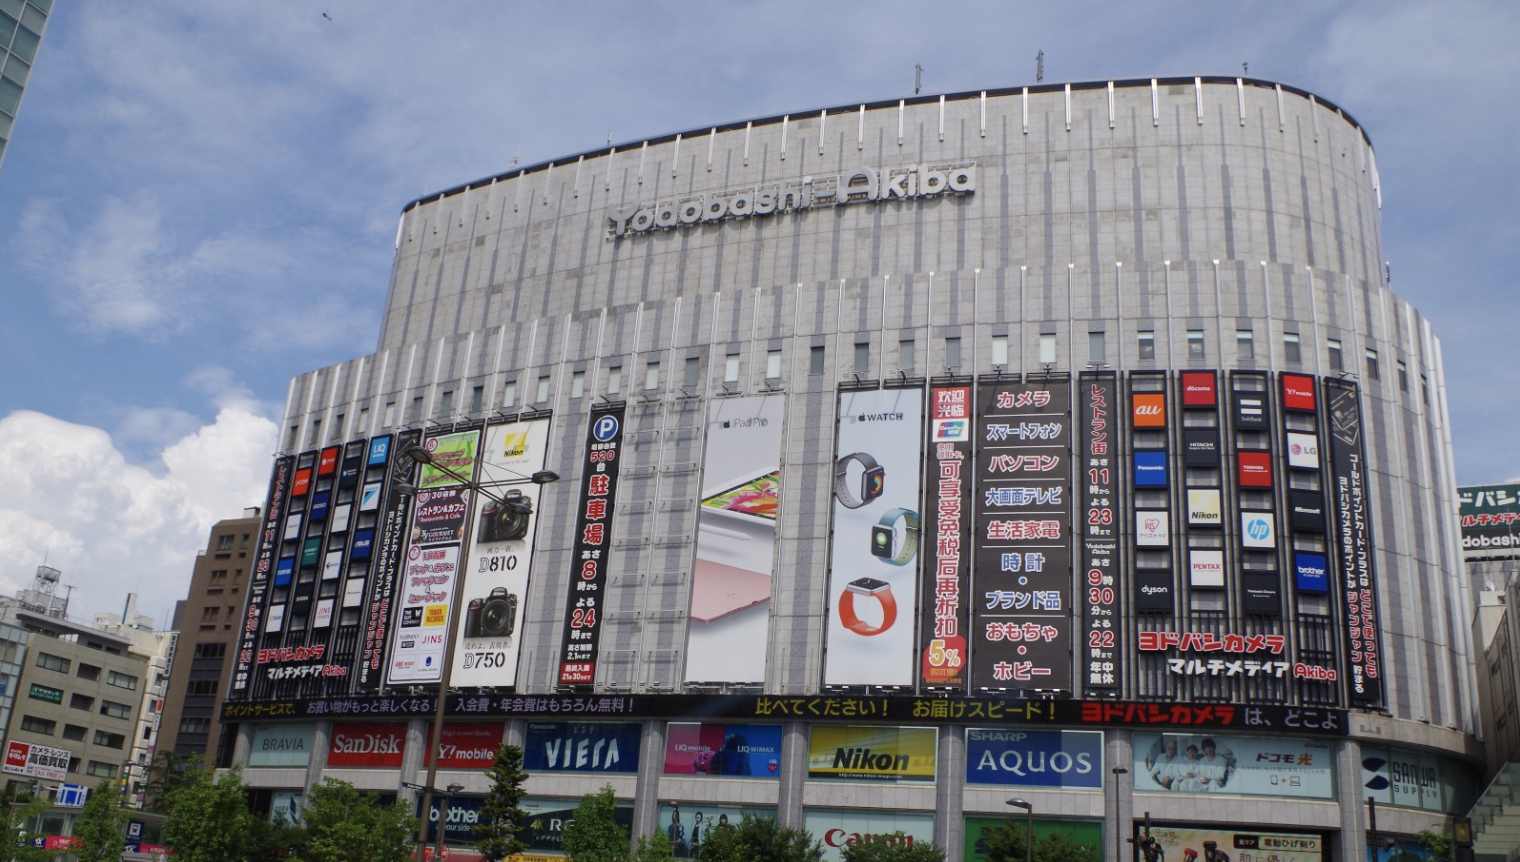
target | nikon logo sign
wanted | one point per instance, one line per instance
(861, 185)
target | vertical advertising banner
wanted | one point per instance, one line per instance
(431, 567)
(943, 653)
(263, 571)
(1102, 669)
(1350, 500)
(873, 582)
(736, 541)
(1022, 624)
(592, 547)
(496, 570)
(385, 558)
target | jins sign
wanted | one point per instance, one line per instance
(859, 185)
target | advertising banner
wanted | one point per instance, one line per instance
(423, 616)
(1200, 447)
(1204, 507)
(1150, 469)
(1064, 759)
(943, 649)
(838, 828)
(469, 746)
(1306, 511)
(592, 547)
(1298, 392)
(1396, 776)
(458, 822)
(1303, 451)
(858, 753)
(547, 817)
(367, 744)
(873, 574)
(1021, 621)
(688, 827)
(439, 516)
(1250, 411)
(1350, 500)
(386, 560)
(1251, 765)
(1490, 514)
(36, 761)
(281, 744)
(1200, 389)
(1255, 469)
(582, 746)
(1207, 844)
(1261, 594)
(1153, 528)
(453, 463)
(496, 572)
(1207, 569)
(1102, 592)
(327, 461)
(1149, 409)
(1154, 591)
(265, 553)
(1258, 530)
(1311, 572)
(732, 750)
(736, 541)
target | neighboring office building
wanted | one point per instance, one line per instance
(22, 23)
(206, 620)
(908, 445)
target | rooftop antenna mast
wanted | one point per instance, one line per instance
(918, 78)
(1039, 67)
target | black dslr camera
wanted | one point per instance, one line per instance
(494, 616)
(505, 520)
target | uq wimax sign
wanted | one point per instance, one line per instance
(860, 185)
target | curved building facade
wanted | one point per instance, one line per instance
(1065, 440)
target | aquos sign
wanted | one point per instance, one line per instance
(859, 185)
(1035, 758)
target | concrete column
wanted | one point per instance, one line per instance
(1118, 818)
(950, 793)
(321, 739)
(516, 732)
(414, 758)
(242, 744)
(1351, 843)
(646, 788)
(794, 768)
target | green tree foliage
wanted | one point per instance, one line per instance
(594, 835)
(21, 811)
(656, 848)
(1438, 845)
(102, 827)
(344, 825)
(896, 847)
(167, 772)
(759, 839)
(210, 821)
(1008, 845)
(501, 815)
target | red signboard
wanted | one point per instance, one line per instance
(1149, 409)
(1199, 389)
(469, 746)
(1255, 469)
(1298, 392)
(328, 462)
(367, 745)
(15, 754)
(302, 484)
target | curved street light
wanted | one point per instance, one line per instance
(1028, 827)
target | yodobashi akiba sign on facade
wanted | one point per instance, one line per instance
(858, 185)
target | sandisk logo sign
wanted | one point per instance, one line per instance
(1149, 409)
(1198, 389)
(1298, 392)
(377, 745)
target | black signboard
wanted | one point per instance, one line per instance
(1306, 510)
(1351, 504)
(386, 555)
(1022, 622)
(592, 548)
(353, 464)
(1155, 592)
(947, 564)
(1200, 447)
(1099, 519)
(263, 572)
(1250, 411)
(1261, 594)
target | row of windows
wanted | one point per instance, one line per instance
(90, 672)
(47, 727)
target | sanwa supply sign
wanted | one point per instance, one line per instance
(1065, 759)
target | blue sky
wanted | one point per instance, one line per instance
(200, 199)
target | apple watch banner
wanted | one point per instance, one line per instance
(1103, 595)
(943, 649)
(592, 547)
(1022, 588)
(1350, 501)
(736, 541)
(873, 576)
(495, 574)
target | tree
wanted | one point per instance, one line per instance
(896, 847)
(502, 816)
(211, 821)
(344, 825)
(167, 772)
(21, 809)
(655, 848)
(102, 827)
(1439, 846)
(1007, 845)
(759, 839)
(594, 835)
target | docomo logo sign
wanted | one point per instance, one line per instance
(1198, 389)
(1149, 410)
(855, 186)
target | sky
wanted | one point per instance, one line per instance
(200, 199)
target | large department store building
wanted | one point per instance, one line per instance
(1062, 442)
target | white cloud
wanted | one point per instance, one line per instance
(68, 495)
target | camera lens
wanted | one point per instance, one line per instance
(498, 615)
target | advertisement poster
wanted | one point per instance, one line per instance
(943, 653)
(1186, 844)
(267, 549)
(386, 552)
(688, 824)
(376, 745)
(731, 750)
(838, 828)
(591, 548)
(496, 571)
(1490, 514)
(850, 752)
(1065, 759)
(547, 818)
(582, 746)
(1395, 776)
(459, 822)
(736, 541)
(1100, 588)
(281, 744)
(1022, 617)
(1088, 833)
(873, 574)
(1219, 763)
(36, 761)
(469, 746)
(423, 617)
(1350, 501)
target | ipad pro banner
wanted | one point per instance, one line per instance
(736, 541)
(873, 576)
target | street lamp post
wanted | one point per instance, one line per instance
(423, 457)
(1028, 827)
(1118, 848)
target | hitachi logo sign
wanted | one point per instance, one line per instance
(860, 185)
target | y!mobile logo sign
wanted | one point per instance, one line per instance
(1298, 392)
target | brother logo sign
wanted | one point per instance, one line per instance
(860, 185)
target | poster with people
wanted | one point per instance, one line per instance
(688, 824)
(1218, 763)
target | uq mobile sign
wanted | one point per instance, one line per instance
(859, 185)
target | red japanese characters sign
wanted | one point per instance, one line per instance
(592, 548)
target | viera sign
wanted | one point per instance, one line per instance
(859, 185)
